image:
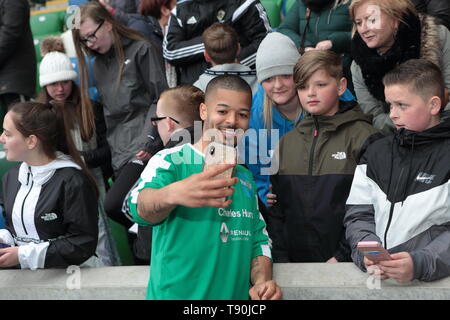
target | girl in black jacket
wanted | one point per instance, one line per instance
(48, 200)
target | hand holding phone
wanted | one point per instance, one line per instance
(4, 245)
(373, 251)
(218, 153)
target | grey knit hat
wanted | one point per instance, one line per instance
(276, 55)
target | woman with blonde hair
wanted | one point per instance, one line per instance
(129, 75)
(386, 34)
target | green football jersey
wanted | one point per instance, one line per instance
(202, 253)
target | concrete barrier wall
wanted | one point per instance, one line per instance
(299, 281)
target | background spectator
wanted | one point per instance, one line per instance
(221, 50)
(275, 105)
(152, 22)
(436, 8)
(323, 25)
(184, 47)
(17, 56)
(385, 38)
(126, 6)
(176, 112)
(56, 77)
(129, 75)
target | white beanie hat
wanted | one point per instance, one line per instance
(276, 55)
(55, 66)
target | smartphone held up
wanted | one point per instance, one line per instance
(373, 251)
(218, 153)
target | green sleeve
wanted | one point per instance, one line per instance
(341, 41)
(291, 24)
(158, 173)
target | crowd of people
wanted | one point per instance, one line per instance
(338, 121)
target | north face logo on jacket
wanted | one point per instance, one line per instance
(339, 155)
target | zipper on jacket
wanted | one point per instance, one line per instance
(23, 203)
(391, 210)
(313, 146)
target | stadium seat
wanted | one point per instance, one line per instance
(120, 237)
(47, 23)
(273, 12)
(77, 2)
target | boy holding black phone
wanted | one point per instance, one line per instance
(209, 239)
(400, 193)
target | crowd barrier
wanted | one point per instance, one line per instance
(299, 281)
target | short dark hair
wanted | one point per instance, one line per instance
(221, 43)
(228, 82)
(423, 78)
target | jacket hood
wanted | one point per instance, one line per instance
(349, 111)
(409, 137)
(41, 174)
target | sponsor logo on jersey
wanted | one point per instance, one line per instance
(235, 213)
(224, 232)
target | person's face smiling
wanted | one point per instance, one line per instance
(227, 111)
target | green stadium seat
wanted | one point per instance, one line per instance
(120, 237)
(47, 23)
(273, 12)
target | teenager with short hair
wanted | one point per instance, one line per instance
(315, 163)
(221, 51)
(400, 192)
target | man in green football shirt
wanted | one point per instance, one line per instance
(204, 247)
